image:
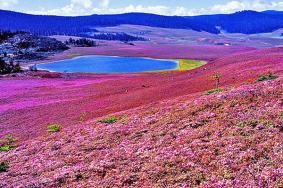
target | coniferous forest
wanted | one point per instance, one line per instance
(247, 22)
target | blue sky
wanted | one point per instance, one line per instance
(165, 7)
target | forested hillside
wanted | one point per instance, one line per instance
(51, 25)
(247, 22)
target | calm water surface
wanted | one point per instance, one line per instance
(110, 64)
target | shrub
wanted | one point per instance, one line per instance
(53, 128)
(269, 76)
(10, 139)
(4, 166)
(83, 117)
(267, 123)
(248, 123)
(8, 144)
(7, 68)
(110, 120)
(218, 90)
(217, 77)
(254, 123)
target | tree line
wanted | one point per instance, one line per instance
(8, 68)
(117, 36)
(83, 42)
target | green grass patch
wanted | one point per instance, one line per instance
(113, 119)
(184, 64)
(209, 92)
(267, 77)
(188, 64)
(53, 128)
(4, 166)
(109, 120)
(8, 144)
(6, 148)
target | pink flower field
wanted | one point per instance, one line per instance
(141, 94)
(146, 130)
(229, 139)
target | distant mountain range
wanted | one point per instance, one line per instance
(247, 22)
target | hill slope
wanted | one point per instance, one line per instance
(50, 25)
(247, 22)
(99, 95)
(223, 140)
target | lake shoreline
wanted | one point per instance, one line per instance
(203, 53)
(182, 65)
(98, 64)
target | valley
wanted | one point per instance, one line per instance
(142, 100)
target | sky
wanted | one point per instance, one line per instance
(163, 7)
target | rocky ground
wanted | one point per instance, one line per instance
(26, 47)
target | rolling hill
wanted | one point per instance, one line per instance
(247, 22)
(49, 25)
(230, 139)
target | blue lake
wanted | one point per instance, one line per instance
(110, 64)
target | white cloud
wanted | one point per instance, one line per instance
(75, 8)
(105, 3)
(131, 8)
(4, 4)
(229, 7)
(87, 7)
(82, 3)
(233, 6)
